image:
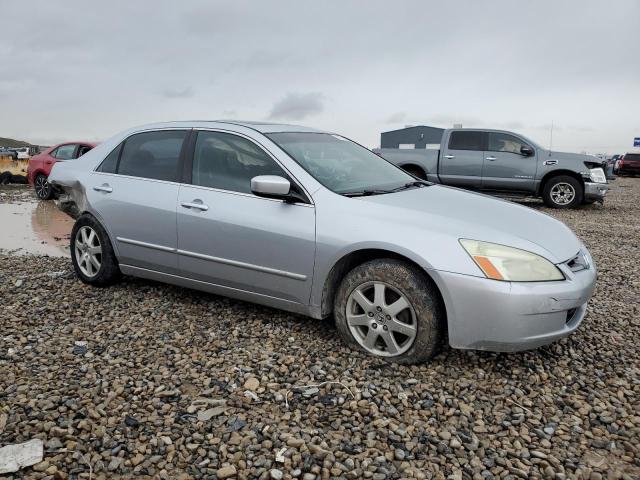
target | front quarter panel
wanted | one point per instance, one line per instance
(341, 231)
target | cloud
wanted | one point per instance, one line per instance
(185, 92)
(297, 106)
(398, 117)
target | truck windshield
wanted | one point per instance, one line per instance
(341, 165)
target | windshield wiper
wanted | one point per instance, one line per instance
(366, 193)
(416, 183)
(379, 191)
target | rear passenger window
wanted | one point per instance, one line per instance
(110, 162)
(229, 162)
(153, 155)
(466, 140)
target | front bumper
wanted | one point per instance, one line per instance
(595, 191)
(485, 314)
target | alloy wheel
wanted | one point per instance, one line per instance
(42, 186)
(563, 193)
(88, 251)
(381, 319)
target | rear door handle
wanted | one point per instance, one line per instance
(449, 156)
(550, 162)
(103, 188)
(195, 204)
(491, 159)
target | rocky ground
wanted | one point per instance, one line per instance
(149, 380)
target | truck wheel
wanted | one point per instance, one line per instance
(562, 191)
(92, 255)
(416, 172)
(390, 310)
(43, 187)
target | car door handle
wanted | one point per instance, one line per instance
(199, 206)
(551, 162)
(491, 159)
(103, 188)
(449, 156)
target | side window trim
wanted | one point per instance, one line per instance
(187, 177)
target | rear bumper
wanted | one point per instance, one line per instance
(595, 191)
(499, 316)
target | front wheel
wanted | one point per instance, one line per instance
(390, 310)
(43, 187)
(563, 191)
(92, 255)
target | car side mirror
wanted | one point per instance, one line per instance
(274, 186)
(526, 151)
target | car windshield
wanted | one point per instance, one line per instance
(341, 165)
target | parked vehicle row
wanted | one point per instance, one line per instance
(311, 222)
(40, 165)
(501, 161)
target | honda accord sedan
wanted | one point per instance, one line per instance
(311, 222)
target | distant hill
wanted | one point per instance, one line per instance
(10, 142)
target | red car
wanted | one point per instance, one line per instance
(629, 164)
(40, 165)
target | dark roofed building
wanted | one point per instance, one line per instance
(411, 137)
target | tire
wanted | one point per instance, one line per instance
(416, 172)
(562, 191)
(423, 311)
(42, 187)
(105, 271)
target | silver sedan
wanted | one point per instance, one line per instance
(313, 223)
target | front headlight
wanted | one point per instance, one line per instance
(597, 175)
(499, 262)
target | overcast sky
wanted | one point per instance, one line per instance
(86, 70)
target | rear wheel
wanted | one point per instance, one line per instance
(416, 172)
(92, 255)
(390, 310)
(42, 187)
(563, 191)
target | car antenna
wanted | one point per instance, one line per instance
(551, 138)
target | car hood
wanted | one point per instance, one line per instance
(464, 214)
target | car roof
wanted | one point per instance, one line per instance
(259, 126)
(92, 144)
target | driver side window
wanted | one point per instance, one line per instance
(229, 162)
(65, 152)
(503, 142)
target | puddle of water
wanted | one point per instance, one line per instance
(30, 227)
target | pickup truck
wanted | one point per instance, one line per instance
(497, 161)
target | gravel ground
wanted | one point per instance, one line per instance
(149, 380)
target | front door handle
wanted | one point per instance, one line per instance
(197, 204)
(491, 159)
(103, 188)
(449, 156)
